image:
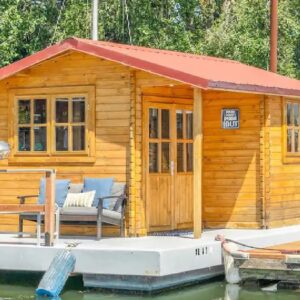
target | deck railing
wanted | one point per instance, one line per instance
(48, 209)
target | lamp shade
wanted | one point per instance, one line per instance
(4, 150)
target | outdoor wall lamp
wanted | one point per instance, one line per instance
(4, 150)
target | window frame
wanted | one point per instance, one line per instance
(31, 125)
(51, 155)
(290, 157)
(69, 124)
(184, 140)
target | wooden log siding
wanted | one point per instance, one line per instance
(232, 159)
(284, 183)
(112, 122)
(112, 83)
(231, 167)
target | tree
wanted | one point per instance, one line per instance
(25, 27)
(242, 32)
(236, 29)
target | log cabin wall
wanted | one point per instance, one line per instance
(111, 82)
(117, 104)
(283, 182)
(234, 161)
(231, 167)
(149, 84)
(233, 178)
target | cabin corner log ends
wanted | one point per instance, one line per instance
(48, 208)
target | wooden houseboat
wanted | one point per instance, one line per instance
(201, 142)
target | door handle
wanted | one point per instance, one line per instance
(172, 168)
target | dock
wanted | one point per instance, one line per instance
(277, 265)
(146, 264)
(281, 263)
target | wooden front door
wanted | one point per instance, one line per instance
(168, 141)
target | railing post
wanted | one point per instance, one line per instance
(50, 207)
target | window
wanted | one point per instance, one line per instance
(70, 124)
(184, 131)
(53, 124)
(292, 126)
(32, 125)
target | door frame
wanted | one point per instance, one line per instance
(168, 103)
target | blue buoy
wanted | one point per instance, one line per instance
(57, 274)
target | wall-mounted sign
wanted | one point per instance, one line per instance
(230, 118)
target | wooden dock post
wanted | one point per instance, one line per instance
(50, 207)
(198, 140)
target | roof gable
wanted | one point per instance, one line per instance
(201, 71)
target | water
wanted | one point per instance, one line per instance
(216, 290)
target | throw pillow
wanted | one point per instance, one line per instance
(102, 186)
(80, 199)
(61, 191)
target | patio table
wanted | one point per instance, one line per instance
(33, 209)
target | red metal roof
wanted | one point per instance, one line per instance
(201, 71)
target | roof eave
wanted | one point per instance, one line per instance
(220, 85)
(33, 59)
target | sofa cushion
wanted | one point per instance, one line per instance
(61, 191)
(76, 188)
(102, 186)
(89, 211)
(79, 211)
(118, 189)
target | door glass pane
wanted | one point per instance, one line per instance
(153, 123)
(61, 138)
(40, 111)
(289, 113)
(180, 157)
(40, 138)
(165, 123)
(189, 124)
(296, 114)
(153, 157)
(179, 124)
(78, 138)
(165, 157)
(296, 137)
(189, 157)
(78, 110)
(289, 140)
(62, 111)
(24, 139)
(24, 111)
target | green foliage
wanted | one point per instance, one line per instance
(241, 32)
(24, 27)
(236, 29)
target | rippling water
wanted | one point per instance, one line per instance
(216, 290)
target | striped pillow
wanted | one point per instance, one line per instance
(80, 199)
